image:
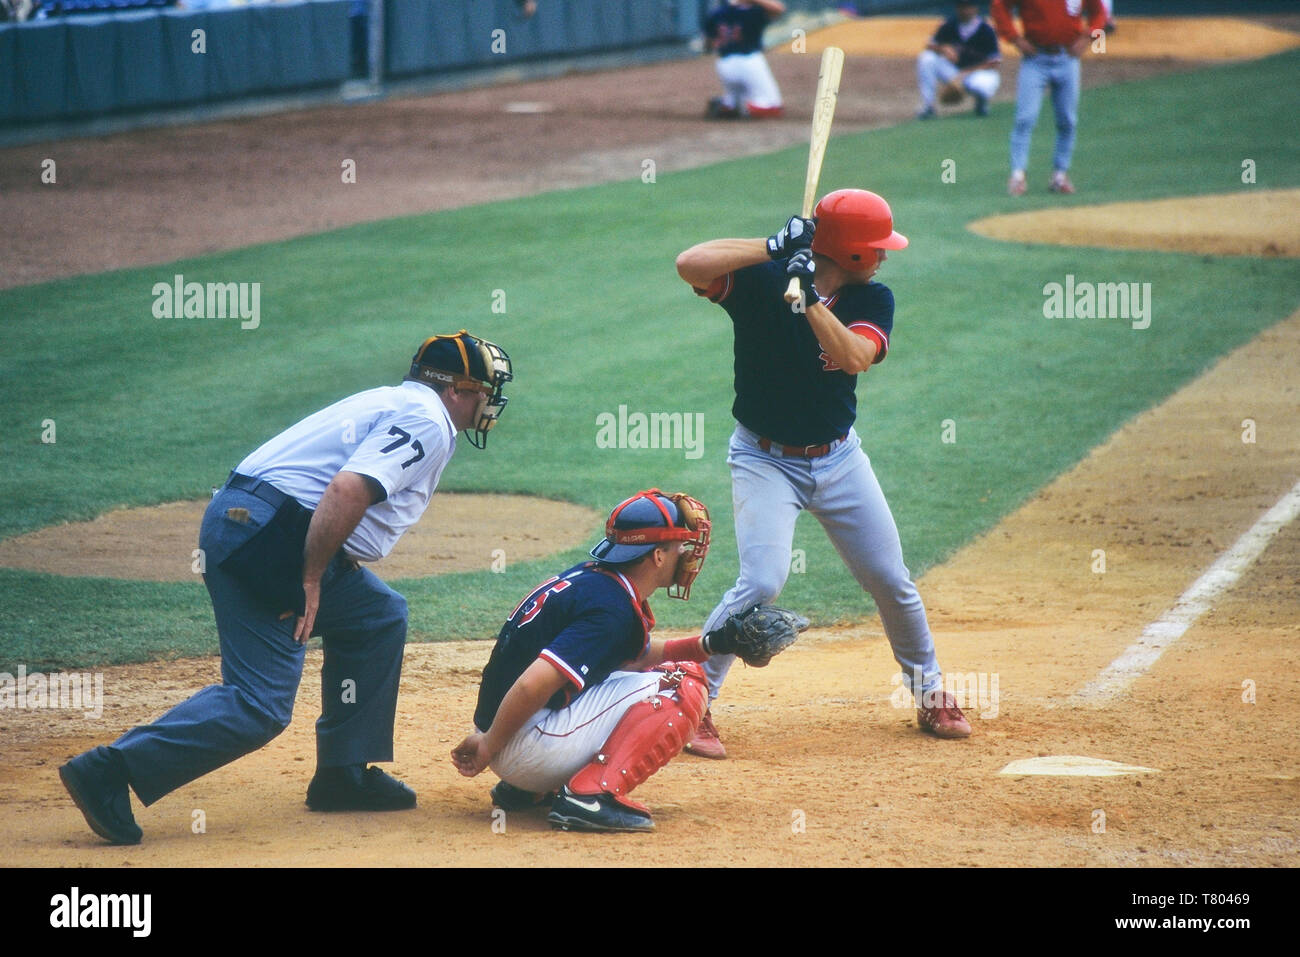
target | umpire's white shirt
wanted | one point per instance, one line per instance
(401, 436)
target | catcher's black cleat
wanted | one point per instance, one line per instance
(97, 782)
(357, 788)
(596, 812)
(510, 798)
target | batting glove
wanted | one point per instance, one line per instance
(802, 267)
(797, 234)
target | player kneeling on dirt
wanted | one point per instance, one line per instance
(577, 699)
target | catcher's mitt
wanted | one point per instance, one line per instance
(756, 636)
(952, 92)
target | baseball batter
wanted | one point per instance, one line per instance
(568, 701)
(735, 32)
(282, 540)
(794, 446)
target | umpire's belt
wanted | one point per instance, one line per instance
(800, 451)
(257, 487)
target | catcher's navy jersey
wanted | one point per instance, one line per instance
(787, 388)
(586, 622)
(736, 29)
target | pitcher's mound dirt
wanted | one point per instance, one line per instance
(1248, 223)
(459, 533)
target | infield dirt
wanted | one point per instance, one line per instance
(816, 742)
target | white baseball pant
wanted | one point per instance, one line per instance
(748, 81)
(933, 69)
(554, 745)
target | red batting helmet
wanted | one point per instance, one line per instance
(851, 224)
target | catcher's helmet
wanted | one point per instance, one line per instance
(851, 225)
(465, 362)
(649, 519)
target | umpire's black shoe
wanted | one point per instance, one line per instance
(510, 798)
(596, 812)
(97, 781)
(357, 788)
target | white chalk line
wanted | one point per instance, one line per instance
(1138, 657)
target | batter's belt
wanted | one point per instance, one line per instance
(800, 451)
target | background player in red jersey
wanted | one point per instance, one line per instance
(1054, 34)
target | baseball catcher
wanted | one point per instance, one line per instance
(578, 705)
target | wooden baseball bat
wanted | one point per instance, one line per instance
(828, 91)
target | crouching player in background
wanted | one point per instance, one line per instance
(578, 705)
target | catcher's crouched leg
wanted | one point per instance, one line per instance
(649, 735)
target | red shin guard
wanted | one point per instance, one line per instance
(651, 733)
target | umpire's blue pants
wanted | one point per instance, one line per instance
(363, 624)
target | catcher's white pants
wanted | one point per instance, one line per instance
(554, 745)
(933, 70)
(840, 489)
(748, 81)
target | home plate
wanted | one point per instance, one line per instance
(1074, 765)
(522, 106)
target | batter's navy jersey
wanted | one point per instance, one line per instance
(787, 388)
(587, 622)
(736, 29)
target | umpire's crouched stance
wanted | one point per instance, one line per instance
(281, 540)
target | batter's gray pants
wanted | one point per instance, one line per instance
(840, 489)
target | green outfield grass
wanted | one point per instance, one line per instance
(150, 410)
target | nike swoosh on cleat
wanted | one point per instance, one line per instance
(592, 806)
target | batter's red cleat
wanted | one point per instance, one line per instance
(706, 743)
(944, 719)
(1016, 185)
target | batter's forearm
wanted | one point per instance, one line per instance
(345, 501)
(702, 264)
(853, 353)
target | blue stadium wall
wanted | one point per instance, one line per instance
(90, 65)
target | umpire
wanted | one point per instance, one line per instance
(281, 542)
